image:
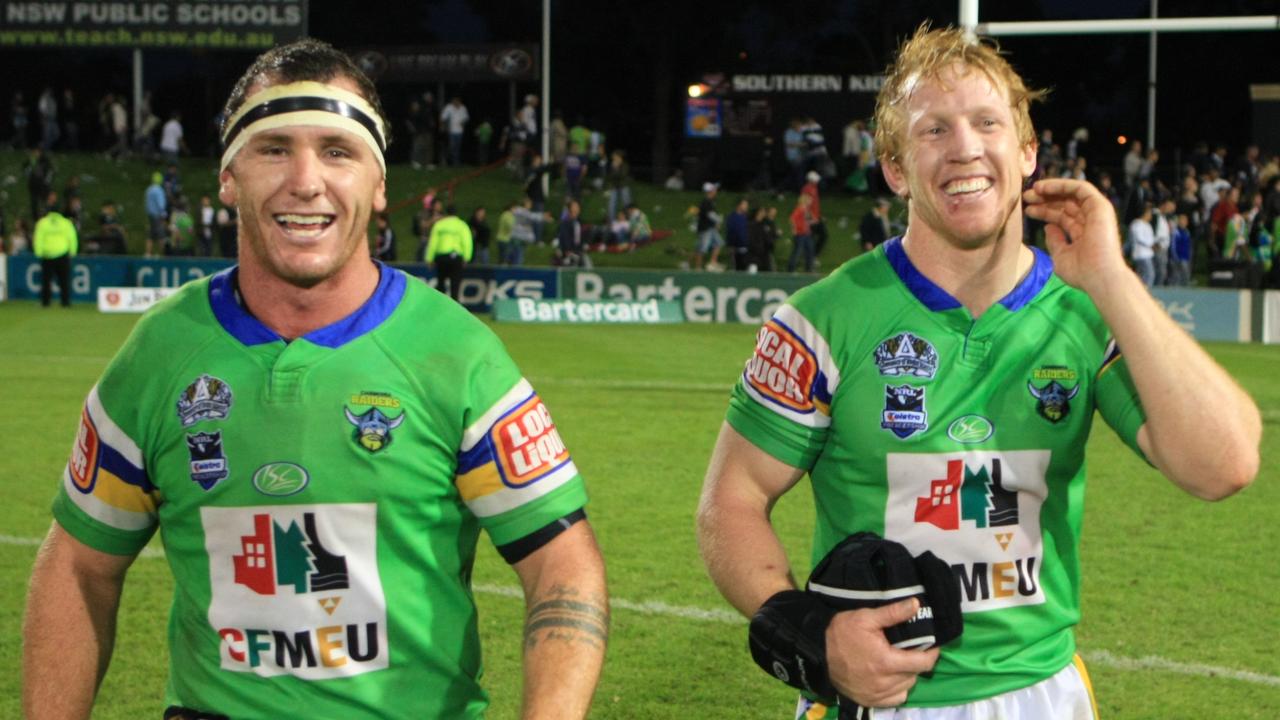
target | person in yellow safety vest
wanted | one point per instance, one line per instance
(448, 250)
(55, 243)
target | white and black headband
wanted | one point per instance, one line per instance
(304, 103)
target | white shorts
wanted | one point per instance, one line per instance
(1067, 695)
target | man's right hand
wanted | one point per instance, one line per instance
(862, 664)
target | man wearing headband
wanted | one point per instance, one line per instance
(321, 439)
(939, 391)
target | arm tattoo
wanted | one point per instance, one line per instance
(564, 614)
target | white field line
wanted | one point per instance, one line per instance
(653, 607)
(612, 384)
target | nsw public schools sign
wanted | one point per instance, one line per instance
(649, 312)
(187, 24)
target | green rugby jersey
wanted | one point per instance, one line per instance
(319, 500)
(960, 436)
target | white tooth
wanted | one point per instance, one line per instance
(963, 186)
(302, 219)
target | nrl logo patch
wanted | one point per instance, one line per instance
(208, 464)
(373, 429)
(907, 354)
(1053, 401)
(904, 411)
(208, 398)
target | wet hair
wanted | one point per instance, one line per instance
(305, 59)
(925, 57)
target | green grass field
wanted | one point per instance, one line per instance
(1181, 598)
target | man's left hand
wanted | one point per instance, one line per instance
(1082, 234)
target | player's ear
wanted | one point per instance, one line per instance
(1028, 159)
(895, 176)
(380, 195)
(227, 187)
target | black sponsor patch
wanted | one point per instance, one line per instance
(208, 463)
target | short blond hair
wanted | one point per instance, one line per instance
(924, 57)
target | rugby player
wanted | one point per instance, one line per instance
(939, 391)
(320, 440)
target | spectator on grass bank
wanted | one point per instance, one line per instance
(559, 138)
(708, 229)
(384, 239)
(874, 228)
(20, 238)
(502, 236)
(47, 106)
(763, 238)
(737, 232)
(55, 243)
(639, 231)
(448, 251)
(70, 123)
(525, 231)
(111, 238)
(206, 225)
(228, 233)
(39, 172)
(569, 250)
(527, 118)
(1142, 240)
(172, 142)
(1219, 219)
(1162, 223)
(574, 168)
(480, 234)
(1180, 252)
(802, 234)
(118, 116)
(420, 127)
(156, 203)
(454, 117)
(431, 212)
(182, 230)
(675, 181)
(619, 233)
(818, 228)
(618, 180)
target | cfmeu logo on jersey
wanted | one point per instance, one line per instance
(980, 512)
(295, 589)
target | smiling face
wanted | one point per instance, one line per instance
(963, 165)
(305, 195)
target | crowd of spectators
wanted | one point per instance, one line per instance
(1189, 213)
(1200, 211)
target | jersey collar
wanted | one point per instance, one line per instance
(937, 299)
(246, 328)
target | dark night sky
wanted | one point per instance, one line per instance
(612, 62)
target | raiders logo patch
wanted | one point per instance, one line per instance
(1053, 401)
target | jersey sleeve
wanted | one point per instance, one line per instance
(782, 401)
(106, 499)
(1117, 398)
(514, 471)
